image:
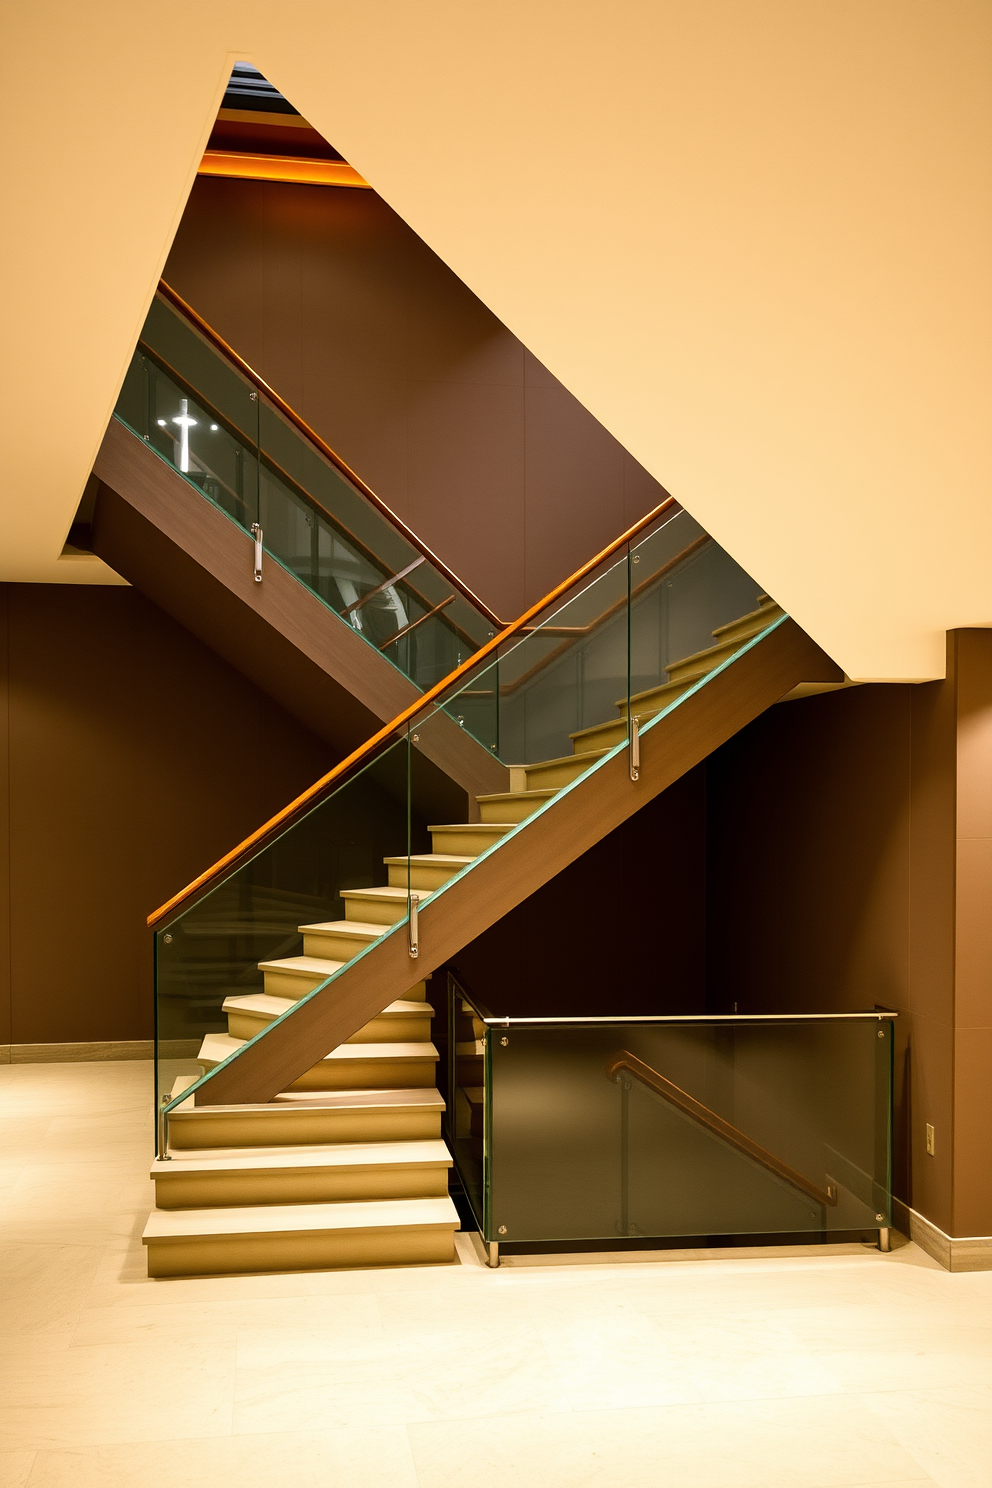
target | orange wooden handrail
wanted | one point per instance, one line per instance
(311, 795)
(217, 340)
(732, 1135)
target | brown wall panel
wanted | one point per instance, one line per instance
(136, 758)
(973, 939)
(809, 856)
(622, 930)
(4, 821)
(353, 319)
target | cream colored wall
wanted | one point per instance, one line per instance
(752, 236)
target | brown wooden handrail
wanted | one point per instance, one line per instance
(310, 796)
(732, 1135)
(217, 340)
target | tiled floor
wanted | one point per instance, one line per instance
(772, 1370)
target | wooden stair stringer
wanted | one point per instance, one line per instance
(527, 858)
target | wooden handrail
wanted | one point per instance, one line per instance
(732, 1135)
(217, 340)
(310, 796)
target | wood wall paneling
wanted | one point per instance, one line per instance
(136, 758)
(353, 319)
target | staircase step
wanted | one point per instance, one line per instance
(645, 704)
(339, 940)
(295, 1119)
(512, 806)
(222, 1177)
(731, 638)
(468, 838)
(553, 774)
(406, 1021)
(383, 905)
(349, 1067)
(300, 1237)
(750, 624)
(293, 977)
(428, 871)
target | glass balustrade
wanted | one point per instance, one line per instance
(575, 686)
(242, 452)
(691, 1128)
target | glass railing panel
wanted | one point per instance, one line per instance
(563, 683)
(465, 1122)
(209, 957)
(334, 541)
(214, 450)
(664, 1129)
(231, 442)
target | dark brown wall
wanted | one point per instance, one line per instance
(353, 319)
(849, 846)
(136, 757)
(809, 869)
(623, 930)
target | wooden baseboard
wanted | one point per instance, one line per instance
(954, 1253)
(76, 1053)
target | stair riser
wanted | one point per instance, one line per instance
(368, 1074)
(554, 776)
(604, 737)
(464, 841)
(319, 1252)
(508, 811)
(284, 1127)
(368, 912)
(414, 1029)
(424, 880)
(742, 630)
(291, 984)
(327, 946)
(235, 1190)
(659, 697)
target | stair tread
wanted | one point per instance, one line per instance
(268, 1219)
(262, 1002)
(443, 860)
(306, 965)
(413, 1154)
(398, 1052)
(566, 759)
(543, 794)
(356, 929)
(421, 1099)
(472, 827)
(377, 891)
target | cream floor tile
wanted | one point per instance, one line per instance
(89, 1396)
(15, 1468)
(821, 1443)
(618, 1361)
(113, 1288)
(356, 1457)
(398, 1379)
(331, 1319)
(44, 1286)
(745, 1357)
(948, 1431)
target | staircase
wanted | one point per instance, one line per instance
(345, 1166)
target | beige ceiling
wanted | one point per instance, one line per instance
(752, 236)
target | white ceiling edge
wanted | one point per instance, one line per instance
(753, 239)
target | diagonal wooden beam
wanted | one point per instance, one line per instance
(523, 862)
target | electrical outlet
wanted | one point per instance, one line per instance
(930, 1143)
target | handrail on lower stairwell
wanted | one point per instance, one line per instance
(732, 1135)
(216, 340)
(310, 796)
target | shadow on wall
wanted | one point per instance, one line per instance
(395, 362)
